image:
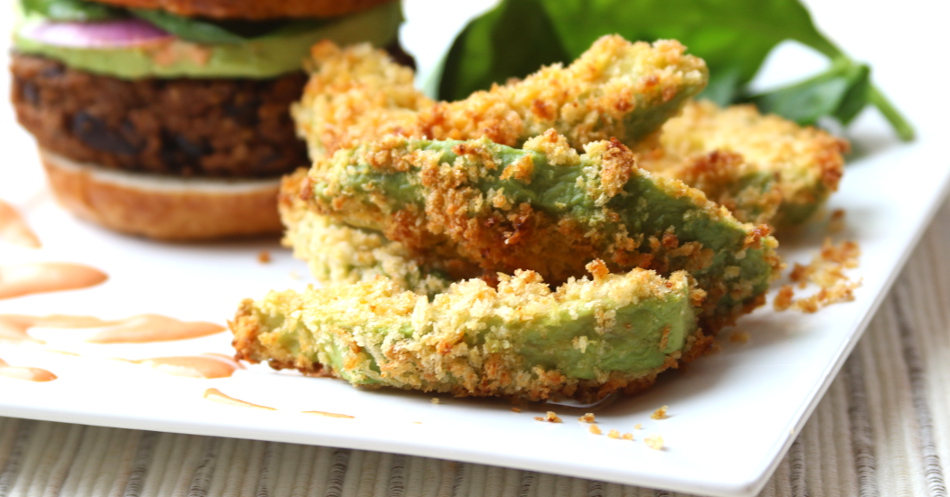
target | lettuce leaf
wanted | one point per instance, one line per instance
(72, 10)
(207, 31)
(733, 36)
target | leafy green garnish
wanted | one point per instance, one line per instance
(72, 10)
(206, 31)
(734, 37)
(840, 92)
(475, 61)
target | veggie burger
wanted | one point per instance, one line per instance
(169, 118)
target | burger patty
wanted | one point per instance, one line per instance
(183, 127)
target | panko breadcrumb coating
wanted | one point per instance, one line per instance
(764, 168)
(616, 89)
(586, 340)
(544, 208)
(337, 253)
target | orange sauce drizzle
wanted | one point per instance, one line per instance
(28, 374)
(143, 328)
(201, 366)
(216, 395)
(146, 328)
(13, 228)
(13, 328)
(63, 352)
(25, 279)
(329, 414)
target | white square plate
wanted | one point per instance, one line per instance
(732, 414)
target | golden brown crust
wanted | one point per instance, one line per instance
(357, 94)
(252, 9)
(160, 211)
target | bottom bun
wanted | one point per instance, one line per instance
(162, 207)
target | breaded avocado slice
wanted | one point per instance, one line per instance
(766, 169)
(616, 89)
(585, 340)
(544, 208)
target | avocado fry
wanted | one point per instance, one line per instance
(587, 339)
(452, 204)
(765, 169)
(616, 89)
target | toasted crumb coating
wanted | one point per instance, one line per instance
(355, 94)
(616, 89)
(337, 253)
(586, 340)
(546, 208)
(765, 169)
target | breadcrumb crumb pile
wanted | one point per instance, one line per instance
(826, 271)
(659, 413)
(263, 257)
(550, 417)
(654, 442)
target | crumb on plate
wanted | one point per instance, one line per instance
(826, 271)
(550, 417)
(654, 442)
(836, 221)
(263, 257)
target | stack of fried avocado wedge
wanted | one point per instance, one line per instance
(511, 243)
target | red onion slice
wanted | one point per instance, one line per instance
(116, 33)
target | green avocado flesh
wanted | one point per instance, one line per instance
(733, 270)
(519, 339)
(268, 56)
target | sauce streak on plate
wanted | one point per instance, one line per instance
(329, 414)
(25, 279)
(143, 328)
(201, 366)
(146, 328)
(13, 228)
(28, 374)
(217, 396)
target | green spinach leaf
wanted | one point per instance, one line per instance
(72, 10)
(840, 92)
(206, 31)
(479, 56)
(732, 36)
